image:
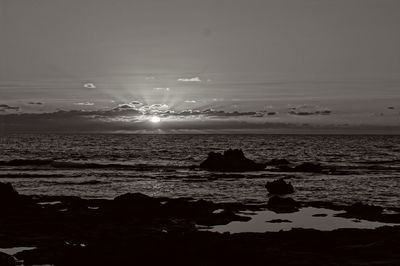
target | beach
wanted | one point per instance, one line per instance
(134, 229)
(114, 200)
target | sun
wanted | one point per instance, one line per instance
(155, 119)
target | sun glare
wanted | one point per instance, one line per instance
(155, 119)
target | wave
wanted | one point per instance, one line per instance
(379, 161)
(26, 162)
(49, 163)
(86, 182)
(29, 175)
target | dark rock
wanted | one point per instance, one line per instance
(10, 200)
(320, 215)
(364, 209)
(6, 260)
(183, 208)
(136, 201)
(279, 204)
(309, 167)
(7, 193)
(230, 161)
(279, 187)
(278, 162)
(278, 221)
(98, 238)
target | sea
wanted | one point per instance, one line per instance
(108, 165)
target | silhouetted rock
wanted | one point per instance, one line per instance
(320, 215)
(279, 204)
(230, 161)
(8, 193)
(278, 162)
(7, 260)
(279, 187)
(364, 209)
(10, 200)
(181, 207)
(309, 167)
(277, 221)
(136, 201)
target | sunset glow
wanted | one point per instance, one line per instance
(155, 119)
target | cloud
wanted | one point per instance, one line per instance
(190, 101)
(125, 106)
(131, 105)
(265, 113)
(89, 86)
(118, 120)
(6, 107)
(304, 113)
(161, 89)
(141, 109)
(85, 103)
(306, 110)
(219, 113)
(134, 118)
(193, 79)
(35, 103)
(217, 99)
(323, 112)
(165, 111)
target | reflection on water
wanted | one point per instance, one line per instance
(15, 250)
(309, 218)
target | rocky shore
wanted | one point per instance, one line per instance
(135, 229)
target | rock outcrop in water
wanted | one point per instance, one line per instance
(364, 209)
(230, 161)
(7, 260)
(279, 187)
(10, 199)
(282, 205)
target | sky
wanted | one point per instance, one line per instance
(254, 66)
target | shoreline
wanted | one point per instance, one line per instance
(137, 229)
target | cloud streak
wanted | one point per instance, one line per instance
(161, 89)
(306, 110)
(6, 107)
(85, 104)
(192, 79)
(89, 86)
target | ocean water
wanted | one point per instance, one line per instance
(107, 165)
